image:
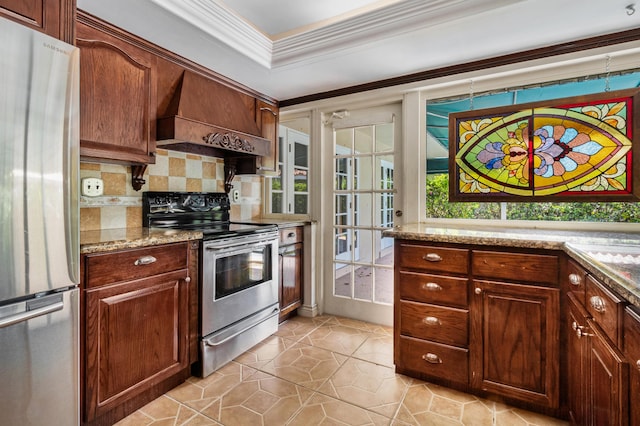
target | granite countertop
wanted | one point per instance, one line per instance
(612, 257)
(115, 239)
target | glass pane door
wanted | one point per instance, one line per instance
(364, 194)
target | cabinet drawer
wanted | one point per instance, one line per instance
(605, 308)
(434, 259)
(444, 325)
(436, 289)
(291, 235)
(576, 280)
(125, 265)
(515, 266)
(434, 359)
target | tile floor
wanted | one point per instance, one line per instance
(322, 371)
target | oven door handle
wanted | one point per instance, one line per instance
(226, 339)
(237, 249)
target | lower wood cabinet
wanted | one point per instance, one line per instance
(631, 349)
(135, 328)
(514, 343)
(291, 270)
(482, 321)
(597, 370)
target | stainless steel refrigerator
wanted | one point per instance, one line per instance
(39, 242)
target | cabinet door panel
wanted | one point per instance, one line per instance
(117, 99)
(291, 278)
(517, 355)
(577, 347)
(632, 351)
(135, 336)
(267, 120)
(52, 17)
(608, 386)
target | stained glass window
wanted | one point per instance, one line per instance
(566, 150)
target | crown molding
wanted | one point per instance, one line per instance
(222, 24)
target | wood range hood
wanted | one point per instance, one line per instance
(208, 118)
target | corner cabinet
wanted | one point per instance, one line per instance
(481, 321)
(291, 263)
(52, 17)
(135, 329)
(598, 373)
(117, 96)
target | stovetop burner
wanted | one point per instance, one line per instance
(207, 212)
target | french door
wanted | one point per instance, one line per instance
(359, 280)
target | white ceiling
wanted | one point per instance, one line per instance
(290, 48)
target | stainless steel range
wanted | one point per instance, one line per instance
(238, 272)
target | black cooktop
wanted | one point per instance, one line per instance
(207, 212)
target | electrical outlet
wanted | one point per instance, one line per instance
(92, 187)
(235, 195)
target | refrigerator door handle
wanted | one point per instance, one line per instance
(25, 316)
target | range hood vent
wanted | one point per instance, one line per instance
(208, 118)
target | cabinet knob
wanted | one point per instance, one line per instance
(597, 303)
(432, 257)
(291, 234)
(187, 280)
(478, 290)
(575, 279)
(432, 358)
(144, 260)
(432, 286)
(431, 321)
(638, 364)
(580, 332)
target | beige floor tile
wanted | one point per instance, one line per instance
(509, 418)
(377, 349)
(477, 414)
(138, 418)
(324, 410)
(298, 327)
(360, 325)
(198, 393)
(261, 399)
(265, 351)
(305, 365)
(336, 338)
(538, 419)
(367, 385)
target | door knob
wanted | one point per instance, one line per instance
(399, 213)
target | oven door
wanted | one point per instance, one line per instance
(239, 278)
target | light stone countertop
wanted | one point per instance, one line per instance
(125, 238)
(612, 257)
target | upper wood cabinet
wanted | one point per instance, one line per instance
(52, 17)
(267, 120)
(117, 98)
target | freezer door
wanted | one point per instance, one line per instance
(39, 87)
(39, 361)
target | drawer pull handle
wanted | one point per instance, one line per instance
(432, 257)
(291, 234)
(432, 287)
(638, 364)
(575, 279)
(144, 260)
(432, 358)
(580, 330)
(597, 303)
(431, 321)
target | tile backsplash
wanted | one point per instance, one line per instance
(121, 206)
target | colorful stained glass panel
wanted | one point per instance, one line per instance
(566, 149)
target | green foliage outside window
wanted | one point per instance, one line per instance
(438, 206)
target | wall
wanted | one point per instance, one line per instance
(121, 206)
